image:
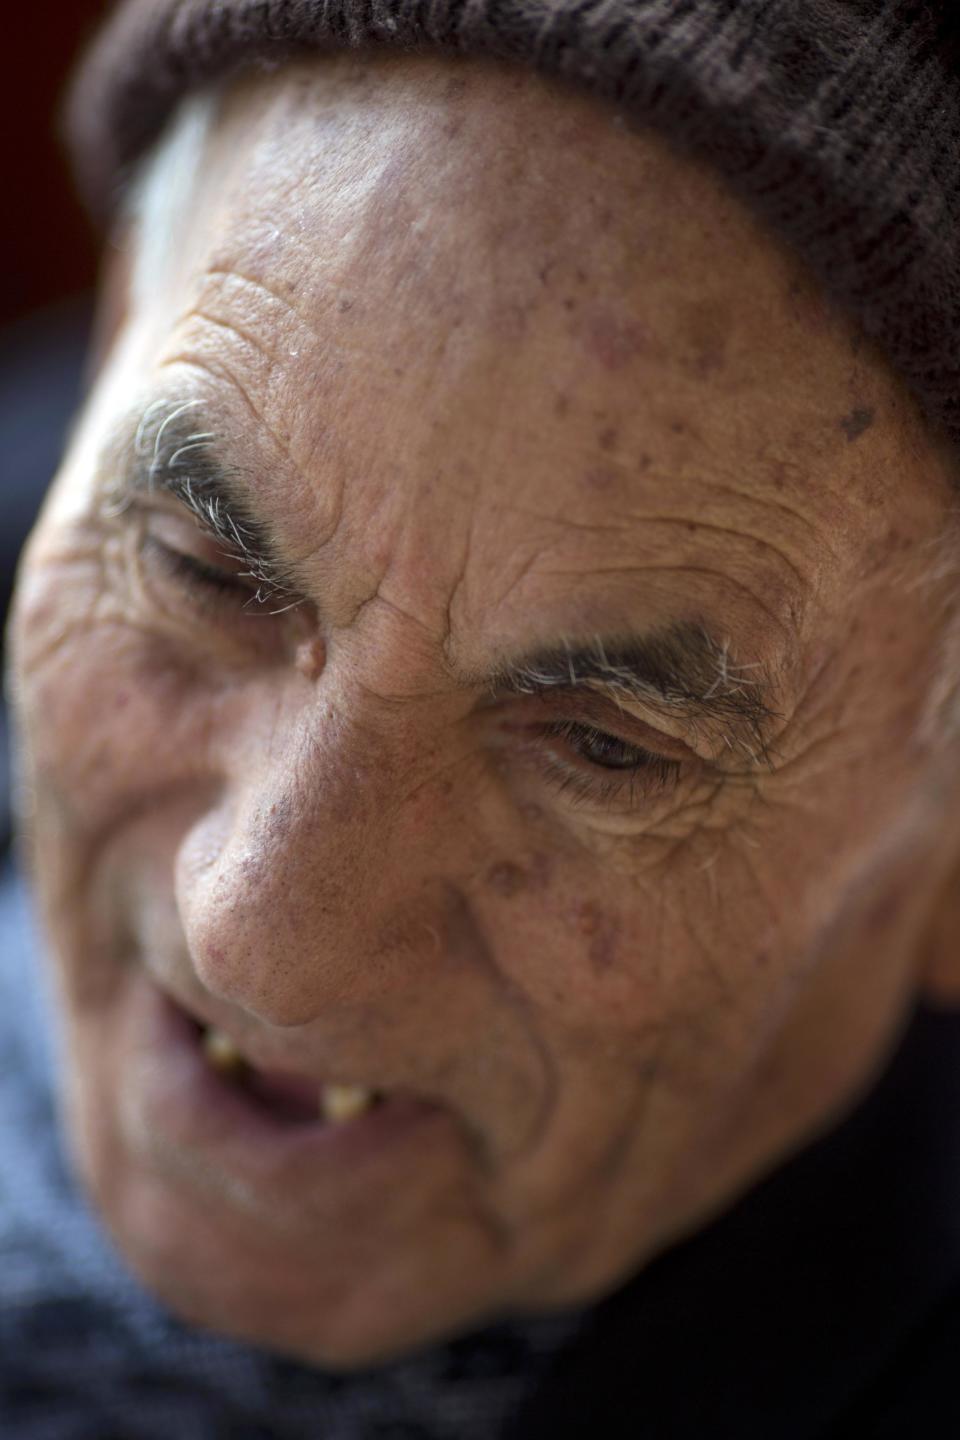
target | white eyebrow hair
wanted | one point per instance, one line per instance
(682, 668)
(207, 485)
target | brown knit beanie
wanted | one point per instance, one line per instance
(838, 120)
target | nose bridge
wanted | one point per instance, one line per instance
(280, 887)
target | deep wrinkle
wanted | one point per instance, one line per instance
(682, 668)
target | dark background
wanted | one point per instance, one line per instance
(48, 263)
(46, 248)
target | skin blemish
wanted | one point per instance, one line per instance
(506, 879)
(612, 341)
(310, 659)
(608, 438)
(704, 330)
(600, 930)
(561, 405)
(859, 420)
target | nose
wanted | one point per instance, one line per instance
(288, 884)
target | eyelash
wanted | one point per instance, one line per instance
(597, 784)
(649, 774)
(215, 586)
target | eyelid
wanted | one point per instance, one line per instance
(606, 787)
(589, 706)
(165, 526)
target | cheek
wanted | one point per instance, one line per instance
(688, 955)
(104, 718)
(579, 944)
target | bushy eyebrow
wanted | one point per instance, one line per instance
(173, 452)
(682, 670)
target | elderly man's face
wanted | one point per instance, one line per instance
(490, 644)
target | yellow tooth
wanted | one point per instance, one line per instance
(221, 1052)
(340, 1103)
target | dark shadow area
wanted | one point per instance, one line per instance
(41, 370)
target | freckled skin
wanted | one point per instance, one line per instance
(470, 441)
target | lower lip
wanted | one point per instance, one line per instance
(174, 1096)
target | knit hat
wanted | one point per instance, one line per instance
(837, 120)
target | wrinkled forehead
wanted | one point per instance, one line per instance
(469, 182)
(544, 307)
(489, 174)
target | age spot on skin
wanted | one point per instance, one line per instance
(602, 931)
(612, 341)
(853, 425)
(508, 879)
(705, 331)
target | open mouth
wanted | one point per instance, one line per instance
(196, 1090)
(289, 1099)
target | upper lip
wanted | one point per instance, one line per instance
(251, 1046)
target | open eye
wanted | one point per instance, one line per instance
(600, 748)
(595, 765)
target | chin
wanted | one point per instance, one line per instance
(339, 1281)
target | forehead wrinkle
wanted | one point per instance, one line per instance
(680, 569)
(230, 328)
(735, 533)
(623, 523)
